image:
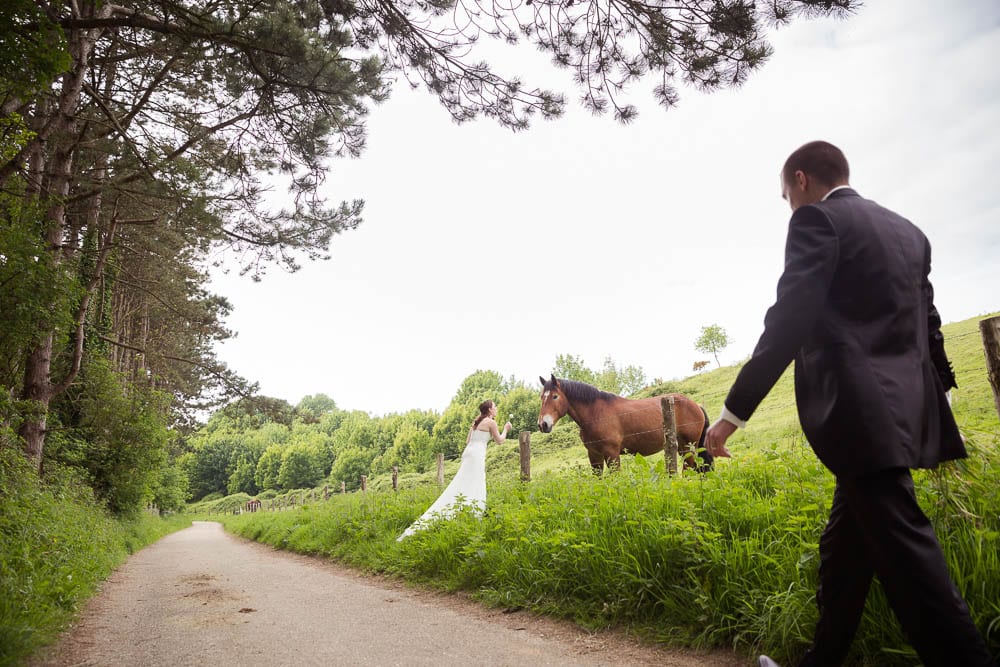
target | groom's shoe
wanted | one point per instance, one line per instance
(765, 661)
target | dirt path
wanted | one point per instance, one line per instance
(202, 597)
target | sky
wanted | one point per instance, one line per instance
(483, 249)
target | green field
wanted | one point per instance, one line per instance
(723, 560)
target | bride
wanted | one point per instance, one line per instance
(469, 484)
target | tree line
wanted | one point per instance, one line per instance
(252, 446)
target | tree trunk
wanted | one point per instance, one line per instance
(37, 389)
(62, 129)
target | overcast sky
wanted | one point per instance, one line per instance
(483, 249)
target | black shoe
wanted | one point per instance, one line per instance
(765, 661)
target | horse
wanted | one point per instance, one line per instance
(610, 425)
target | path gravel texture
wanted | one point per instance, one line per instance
(203, 597)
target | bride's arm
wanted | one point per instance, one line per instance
(495, 432)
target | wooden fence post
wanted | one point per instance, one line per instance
(326, 492)
(524, 448)
(343, 487)
(669, 434)
(395, 478)
(364, 482)
(990, 331)
(440, 461)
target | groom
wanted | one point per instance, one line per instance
(855, 311)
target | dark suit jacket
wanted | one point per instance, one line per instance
(855, 311)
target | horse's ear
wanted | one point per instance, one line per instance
(554, 381)
(542, 380)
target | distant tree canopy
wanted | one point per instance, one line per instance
(624, 380)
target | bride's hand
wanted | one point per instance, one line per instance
(507, 427)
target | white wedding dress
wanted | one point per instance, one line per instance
(468, 487)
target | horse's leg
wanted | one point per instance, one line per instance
(596, 463)
(614, 463)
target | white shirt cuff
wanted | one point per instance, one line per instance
(731, 418)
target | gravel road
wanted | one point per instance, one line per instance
(203, 597)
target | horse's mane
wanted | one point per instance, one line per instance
(581, 392)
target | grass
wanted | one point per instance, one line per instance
(56, 546)
(727, 559)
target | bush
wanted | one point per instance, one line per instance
(57, 543)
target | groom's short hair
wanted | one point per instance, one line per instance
(820, 160)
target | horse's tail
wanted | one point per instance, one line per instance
(706, 457)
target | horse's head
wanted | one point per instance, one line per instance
(554, 404)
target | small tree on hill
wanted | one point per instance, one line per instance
(713, 340)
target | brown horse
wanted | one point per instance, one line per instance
(610, 425)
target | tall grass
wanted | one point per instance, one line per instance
(728, 559)
(724, 559)
(56, 545)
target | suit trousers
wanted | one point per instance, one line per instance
(876, 527)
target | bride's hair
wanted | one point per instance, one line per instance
(484, 412)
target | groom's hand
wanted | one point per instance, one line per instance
(715, 439)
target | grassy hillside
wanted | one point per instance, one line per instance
(726, 559)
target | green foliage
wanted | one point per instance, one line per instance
(572, 367)
(350, 464)
(57, 543)
(713, 339)
(311, 408)
(268, 467)
(300, 466)
(242, 479)
(452, 430)
(624, 381)
(32, 49)
(169, 492)
(119, 439)
(36, 296)
(212, 462)
(522, 403)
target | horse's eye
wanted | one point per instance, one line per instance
(555, 397)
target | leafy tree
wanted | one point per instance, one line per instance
(412, 446)
(268, 467)
(211, 463)
(452, 429)
(312, 407)
(170, 490)
(524, 404)
(242, 479)
(350, 465)
(32, 49)
(480, 386)
(269, 433)
(119, 439)
(300, 467)
(713, 339)
(357, 430)
(572, 367)
(623, 381)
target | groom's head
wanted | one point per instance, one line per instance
(811, 171)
